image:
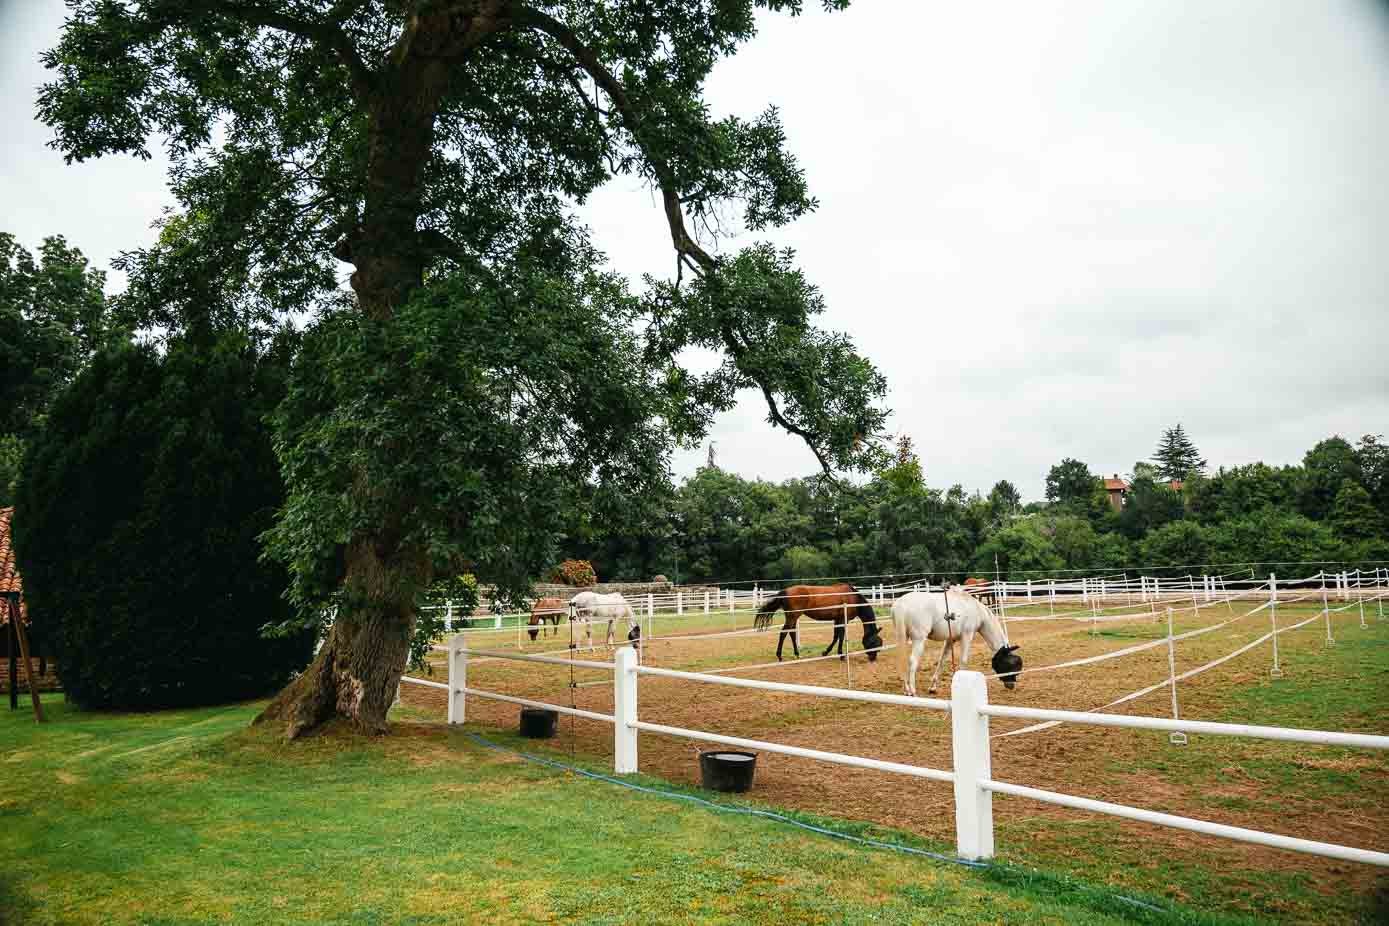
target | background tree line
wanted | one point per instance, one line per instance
(1334, 506)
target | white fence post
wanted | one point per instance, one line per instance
(448, 616)
(969, 729)
(1276, 671)
(1360, 597)
(1326, 612)
(1176, 738)
(650, 604)
(458, 678)
(679, 603)
(624, 711)
(706, 601)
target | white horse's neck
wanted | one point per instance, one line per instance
(991, 628)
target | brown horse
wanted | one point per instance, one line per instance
(987, 594)
(547, 609)
(839, 603)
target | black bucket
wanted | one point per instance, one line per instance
(538, 723)
(727, 770)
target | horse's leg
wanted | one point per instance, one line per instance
(781, 639)
(913, 665)
(835, 638)
(793, 623)
(940, 665)
(965, 642)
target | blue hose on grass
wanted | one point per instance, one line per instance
(765, 814)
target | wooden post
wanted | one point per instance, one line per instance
(12, 651)
(23, 639)
(28, 662)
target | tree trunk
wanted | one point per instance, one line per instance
(355, 674)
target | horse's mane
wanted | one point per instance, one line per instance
(866, 614)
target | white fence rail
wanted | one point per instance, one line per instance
(969, 711)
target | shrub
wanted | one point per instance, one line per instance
(577, 572)
(136, 529)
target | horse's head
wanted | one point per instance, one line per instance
(1007, 664)
(533, 632)
(634, 635)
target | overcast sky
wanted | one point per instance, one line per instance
(1057, 227)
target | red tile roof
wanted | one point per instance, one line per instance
(1115, 485)
(9, 575)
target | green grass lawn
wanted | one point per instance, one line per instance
(191, 817)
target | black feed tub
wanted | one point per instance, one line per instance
(538, 723)
(727, 769)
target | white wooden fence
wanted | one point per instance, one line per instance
(970, 711)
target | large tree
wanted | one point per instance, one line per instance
(485, 372)
(52, 317)
(1176, 455)
(1070, 482)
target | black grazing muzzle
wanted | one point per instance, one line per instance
(1007, 664)
(634, 635)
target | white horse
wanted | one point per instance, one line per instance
(592, 606)
(921, 616)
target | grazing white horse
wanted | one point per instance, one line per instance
(592, 606)
(921, 616)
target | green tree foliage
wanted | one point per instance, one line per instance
(1149, 505)
(448, 413)
(1074, 540)
(11, 457)
(1353, 515)
(1070, 482)
(1242, 490)
(52, 317)
(802, 563)
(1176, 456)
(1272, 536)
(1181, 545)
(1022, 551)
(1005, 501)
(136, 528)
(1325, 468)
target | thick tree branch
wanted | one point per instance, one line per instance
(687, 249)
(684, 244)
(328, 34)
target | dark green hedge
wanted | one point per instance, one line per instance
(136, 527)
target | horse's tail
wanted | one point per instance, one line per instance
(764, 614)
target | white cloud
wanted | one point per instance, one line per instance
(1057, 227)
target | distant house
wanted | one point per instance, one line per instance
(12, 590)
(1118, 490)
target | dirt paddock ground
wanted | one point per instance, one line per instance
(1324, 793)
